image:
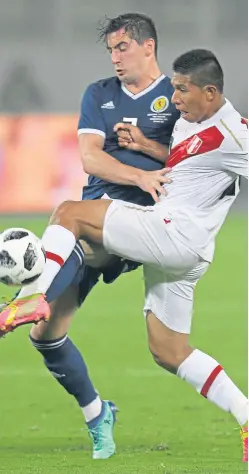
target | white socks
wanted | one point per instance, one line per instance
(209, 379)
(92, 410)
(59, 244)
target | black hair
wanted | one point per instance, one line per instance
(139, 27)
(203, 67)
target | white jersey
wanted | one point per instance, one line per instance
(207, 160)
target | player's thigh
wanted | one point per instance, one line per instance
(95, 255)
(62, 312)
(140, 234)
(168, 309)
(84, 218)
(170, 299)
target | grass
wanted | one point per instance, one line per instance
(164, 427)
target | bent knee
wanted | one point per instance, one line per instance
(63, 209)
(168, 347)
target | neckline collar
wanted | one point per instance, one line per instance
(144, 91)
(223, 111)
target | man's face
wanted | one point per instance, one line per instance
(128, 57)
(192, 101)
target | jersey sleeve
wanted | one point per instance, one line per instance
(91, 118)
(235, 153)
(236, 162)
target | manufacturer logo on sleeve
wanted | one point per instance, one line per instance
(108, 105)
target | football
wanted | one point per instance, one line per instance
(22, 257)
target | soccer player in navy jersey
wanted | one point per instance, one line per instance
(124, 132)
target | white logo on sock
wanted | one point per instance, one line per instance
(58, 376)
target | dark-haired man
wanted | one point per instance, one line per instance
(175, 238)
(123, 162)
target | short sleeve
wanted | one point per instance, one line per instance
(235, 152)
(236, 163)
(91, 118)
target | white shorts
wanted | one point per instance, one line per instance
(150, 236)
(172, 301)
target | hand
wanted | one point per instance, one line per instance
(152, 182)
(129, 136)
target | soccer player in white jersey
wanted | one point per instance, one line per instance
(175, 238)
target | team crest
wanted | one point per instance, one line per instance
(194, 145)
(160, 104)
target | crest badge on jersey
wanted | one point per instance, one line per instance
(160, 104)
(194, 145)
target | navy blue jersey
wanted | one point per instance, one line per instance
(108, 102)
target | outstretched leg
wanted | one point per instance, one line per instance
(69, 222)
(168, 309)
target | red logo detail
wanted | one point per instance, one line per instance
(194, 145)
(210, 139)
(244, 121)
(167, 221)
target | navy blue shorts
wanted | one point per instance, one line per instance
(87, 277)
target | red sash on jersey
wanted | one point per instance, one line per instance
(202, 142)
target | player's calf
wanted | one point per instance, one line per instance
(200, 370)
(67, 366)
(168, 348)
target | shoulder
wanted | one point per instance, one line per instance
(103, 85)
(235, 132)
(98, 91)
(166, 84)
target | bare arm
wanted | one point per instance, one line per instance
(131, 137)
(98, 163)
(155, 150)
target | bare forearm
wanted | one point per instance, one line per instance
(155, 150)
(99, 163)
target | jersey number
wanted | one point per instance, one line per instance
(132, 121)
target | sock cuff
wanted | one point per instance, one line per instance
(210, 380)
(78, 250)
(56, 258)
(57, 240)
(48, 345)
(198, 368)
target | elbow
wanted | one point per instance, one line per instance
(86, 168)
(86, 163)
